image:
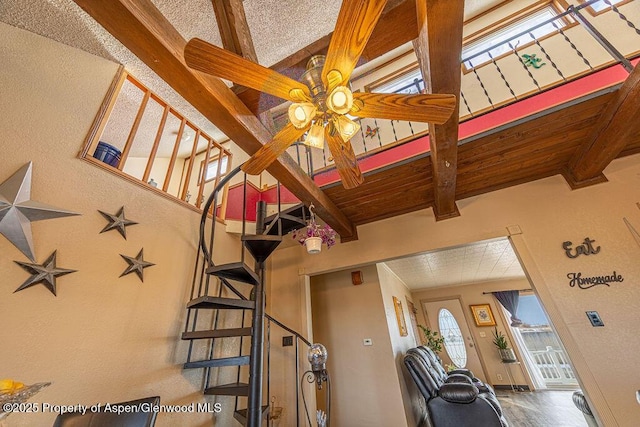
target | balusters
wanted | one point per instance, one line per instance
(515, 52)
(573, 46)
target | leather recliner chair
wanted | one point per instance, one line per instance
(145, 416)
(452, 400)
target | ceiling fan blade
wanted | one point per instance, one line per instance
(345, 159)
(432, 108)
(272, 149)
(355, 24)
(210, 59)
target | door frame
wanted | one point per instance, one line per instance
(466, 319)
(586, 379)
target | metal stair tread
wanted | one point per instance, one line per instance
(289, 223)
(233, 389)
(298, 211)
(213, 363)
(238, 271)
(211, 302)
(216, 333)
(261, 246)
(241, 414)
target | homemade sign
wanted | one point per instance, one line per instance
(576, 279)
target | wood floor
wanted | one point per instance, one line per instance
(546, 408)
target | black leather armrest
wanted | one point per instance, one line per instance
(462, 372)
(458, 392)
(458, 378)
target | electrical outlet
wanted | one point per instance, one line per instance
(499, 377)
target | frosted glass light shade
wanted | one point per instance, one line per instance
(340, 100)
(315, 136)
(346, 127)
(301, 113)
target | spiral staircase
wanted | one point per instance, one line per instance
(217, 290)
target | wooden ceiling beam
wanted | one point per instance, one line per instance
(439, 49)
(236, 38)
(140, 26)
(618, 120)
(234, 29)
(397, 26)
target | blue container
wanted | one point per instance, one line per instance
(108, 154)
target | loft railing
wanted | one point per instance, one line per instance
(577, 47)
(139, 136)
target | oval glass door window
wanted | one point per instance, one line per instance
(453, 339)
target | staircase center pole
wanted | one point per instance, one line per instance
(254, 410)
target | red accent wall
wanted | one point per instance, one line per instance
(254, 195)
(235, 199)
(270, 195)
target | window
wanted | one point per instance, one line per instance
(453, 340)
(497, 42)
(211, 171)
(408, 81)
(602, 6)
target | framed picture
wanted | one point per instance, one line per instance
(482, 315)
(402, 325)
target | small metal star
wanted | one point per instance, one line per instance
(18, 211)
(44, 273)
(137, 265)
(117, 221)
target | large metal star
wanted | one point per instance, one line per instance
(44, 273)
(117, 221)
(17, 211)
(137, 265)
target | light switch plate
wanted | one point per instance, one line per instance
(594, 318)
(483, 334)
(367, 341)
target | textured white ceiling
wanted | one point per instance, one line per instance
(489, 260)
(278, 28)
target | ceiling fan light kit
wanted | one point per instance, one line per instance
(346, 127)
(340, 100)
(315, 136)
(324, 116)
(301, 114)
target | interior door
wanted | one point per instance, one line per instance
(448, 319)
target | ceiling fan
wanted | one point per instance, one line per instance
(323, 102)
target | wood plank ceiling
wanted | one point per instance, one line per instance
(578, 141)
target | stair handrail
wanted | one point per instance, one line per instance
(288, 329)
(205, 212)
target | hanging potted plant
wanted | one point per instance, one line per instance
(314, 235)
(506, 353)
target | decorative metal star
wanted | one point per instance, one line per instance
(44, 273)
(137, 265)
(117, 221)
(17, 211)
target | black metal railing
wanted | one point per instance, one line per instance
(505, 78)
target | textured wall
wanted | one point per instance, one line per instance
(103, 338)
(365, 387)
(548, 213)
